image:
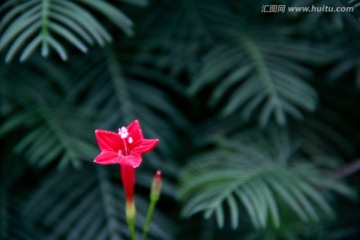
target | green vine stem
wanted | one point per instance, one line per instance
(154, 198)
(130, 219)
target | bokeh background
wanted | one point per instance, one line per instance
(257, 114)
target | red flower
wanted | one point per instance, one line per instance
(124, 147)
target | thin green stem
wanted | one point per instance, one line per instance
(45, 18)
(130, 212)
(131, 225)
(45, 27)
(148, 218)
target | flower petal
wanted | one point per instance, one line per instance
(107, 157)
(144, 146)
(109, 141)
(135, 131)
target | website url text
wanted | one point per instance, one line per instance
(313, 8)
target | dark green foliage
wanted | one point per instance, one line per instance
(96, 201)
(267, 70)
(259, 175)
(42, 20)
(257, 116)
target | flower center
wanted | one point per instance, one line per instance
(124, 134)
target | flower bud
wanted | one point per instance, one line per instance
(156, 186)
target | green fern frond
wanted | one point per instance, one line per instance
(52, 135)
(29, 25)
(261, 181)
(260, 76)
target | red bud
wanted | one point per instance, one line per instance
(156, 186)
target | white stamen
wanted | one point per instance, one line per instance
(123, 132)
(130, 140)
(119, 153)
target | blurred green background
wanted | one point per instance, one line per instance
(256, 111)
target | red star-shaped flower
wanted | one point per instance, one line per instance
(124, 147)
